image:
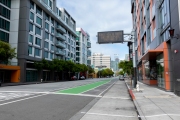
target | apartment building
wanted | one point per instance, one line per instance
(38, 30)
(156, 51)
(99, 60)
(83, 45)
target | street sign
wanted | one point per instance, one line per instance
(110, 37)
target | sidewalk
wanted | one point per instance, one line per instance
(155, 104)
(115, 104)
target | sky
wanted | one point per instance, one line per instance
(95, 16)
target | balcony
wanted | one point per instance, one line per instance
(59, 52)
(61, 29)
(153, 12)
(51, 12)
(88, 44)
(60, 44)
(60, 37)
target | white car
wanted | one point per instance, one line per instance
(121, 77)
(82, 78)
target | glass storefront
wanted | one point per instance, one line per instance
(160, 71)
(31, 75)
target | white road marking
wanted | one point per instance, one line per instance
(108, 115)
(21, 99)
(76, 94)
(107, 88)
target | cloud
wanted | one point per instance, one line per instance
(101, 15)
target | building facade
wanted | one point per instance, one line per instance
(39, 30)
(83, 45)
(98, 60)
(156, 61)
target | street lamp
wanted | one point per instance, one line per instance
(171, 33)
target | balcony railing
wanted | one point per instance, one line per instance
(61, 37)
(59, 52)
(58, 17)
(61, 29)
(59, 44)
(88, 44)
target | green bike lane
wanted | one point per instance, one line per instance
(84, 88)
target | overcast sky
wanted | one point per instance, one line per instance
(101, 15)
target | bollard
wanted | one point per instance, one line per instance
(41, 80)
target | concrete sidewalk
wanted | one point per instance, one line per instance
(155, 104)
(115, 104)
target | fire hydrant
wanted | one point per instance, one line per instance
(137, 87)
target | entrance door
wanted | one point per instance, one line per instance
(160, 71)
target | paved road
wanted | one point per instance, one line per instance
(48, 102)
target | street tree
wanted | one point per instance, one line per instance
(6, 52)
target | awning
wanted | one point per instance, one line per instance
(151, 54)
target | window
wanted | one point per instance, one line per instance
(31, 5)
(46, 45)
(45, 54)
(6, 2)
(38, 41)
(39, 20)
(4, 24)
(32, 16)
(52, 47)
(4, 36)
(47, 26)
(51, 55)
(37, 52)
(38, 10)
(30, 38)
(52, 30)
(38, 30)
(51, 38)
(46, 16)
(50, 3)
(46, 35)
(29, 50)
(46, 2)
(30, 27)
(4, 12)
(52, 21)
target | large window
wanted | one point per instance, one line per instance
(51, 38)
(38, 10)
(38, 30)
(30, 50)
(38, 41)
(45, 54)
(46, 16)
(52, 30)
(51, 55)
(46, 45)
(47, 26)
(4, 36)
(52, 47)
(30, 27)
(4, 12)
(6, 2)
(39, 20)
(32, 16)
(30, 38)
(47, 35)
(164, 14)
(37, 52)
(31, 5)
(4, 24)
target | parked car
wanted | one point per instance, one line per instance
(74, 78)
(82, 78)
(121, 77)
